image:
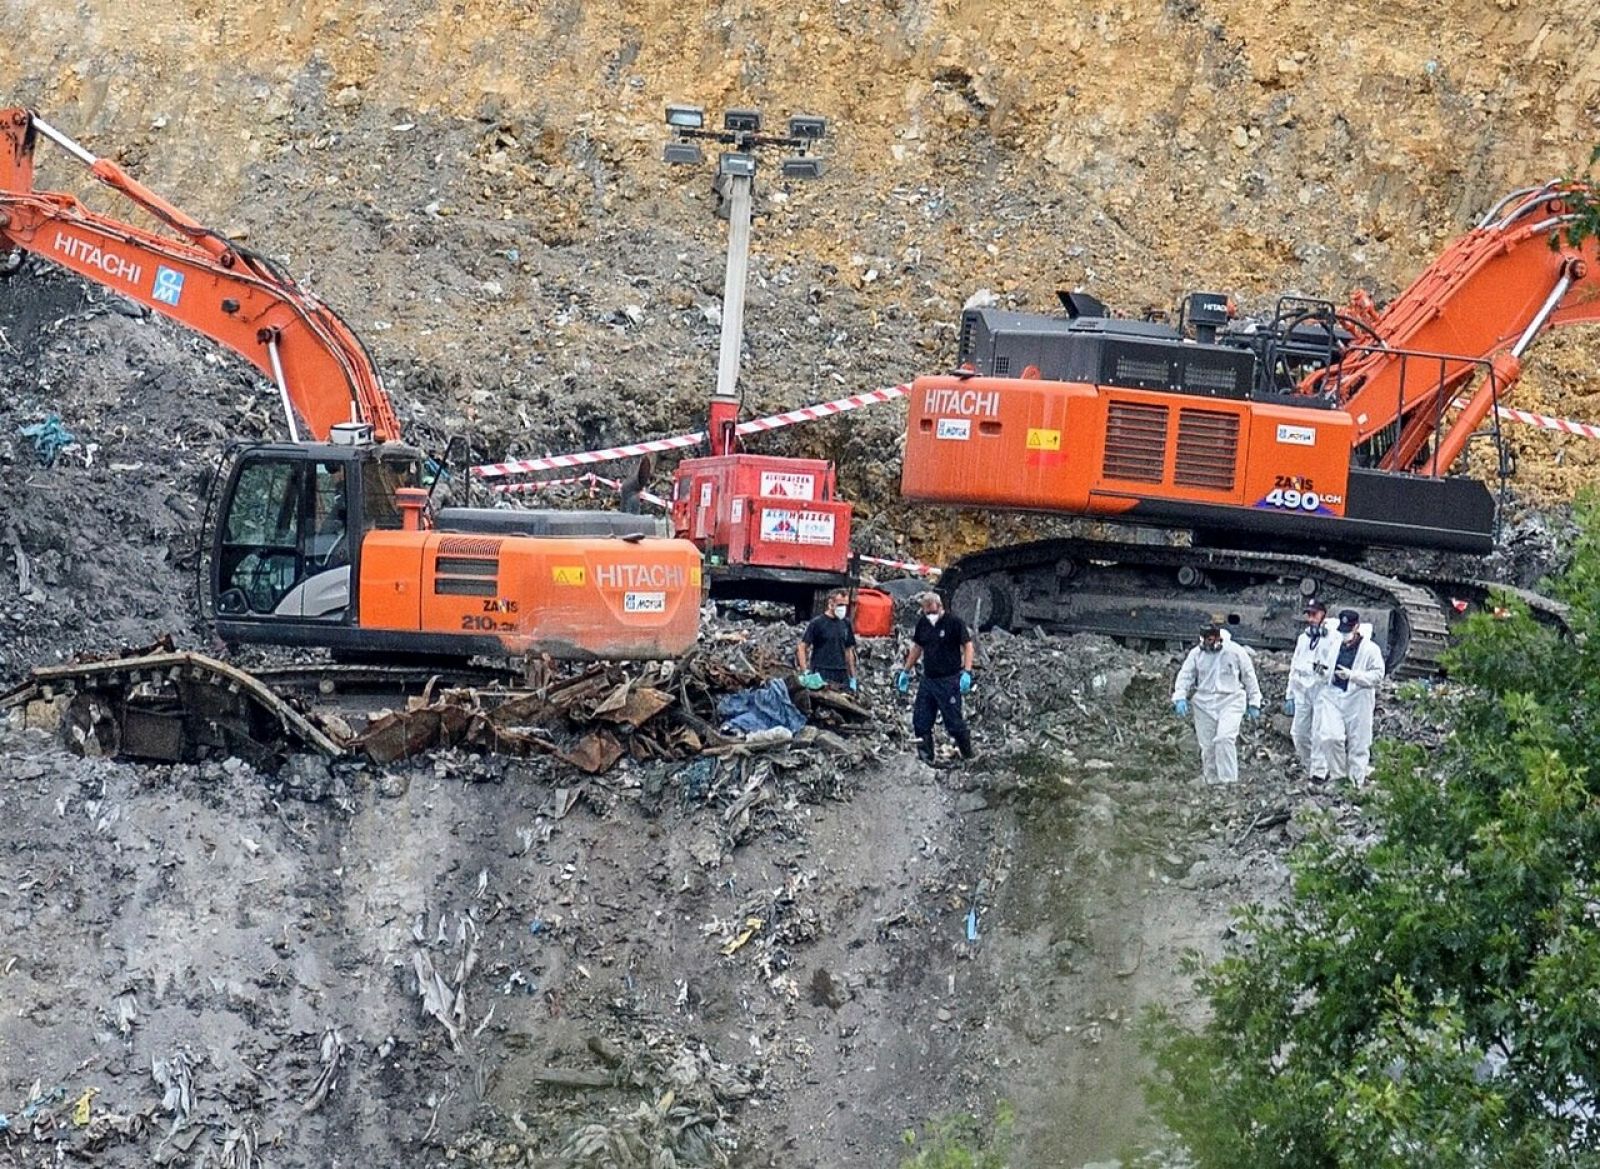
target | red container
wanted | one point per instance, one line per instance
(874, 613)
(763, 511)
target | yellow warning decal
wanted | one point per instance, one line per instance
(694, 574)
(568, 574)
(1043, 440)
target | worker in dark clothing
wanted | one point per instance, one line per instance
(943, 643)
(827, 650)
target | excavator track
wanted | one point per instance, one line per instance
(1161, 594)
(173, 705)
(1459, 596)
(169, 706)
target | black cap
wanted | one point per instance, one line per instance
(1348, 620)
(1315, 606)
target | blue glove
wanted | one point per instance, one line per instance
(902, 681)
(1252, 713)
(1181, 708)
(811, 680)
(966, 681)
(853, 684)
(1288, 707)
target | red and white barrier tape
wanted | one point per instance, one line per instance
(626, 451)
(679, 441)
(908, 565)
(1543, 421)
(823, 409)
(590, 478)
(1546, 422)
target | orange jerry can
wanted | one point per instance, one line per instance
(874, 613)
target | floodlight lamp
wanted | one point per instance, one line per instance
(808, 126)
(682, 154)
(802, 167)
(742, 121)
(734, 165)
(681, 117)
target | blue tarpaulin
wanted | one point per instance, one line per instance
(763, 708)
(49, 438)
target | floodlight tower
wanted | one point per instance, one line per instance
(771, 527)
(735, 183)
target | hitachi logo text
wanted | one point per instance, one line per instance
(961, 402)
(90, 256)
(633, 576)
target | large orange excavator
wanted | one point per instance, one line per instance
(326, 540)
(1286, 445)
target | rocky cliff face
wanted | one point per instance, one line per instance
(478, 184)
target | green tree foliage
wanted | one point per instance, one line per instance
(1585, 205)
(1429, 996)
(962, 1142)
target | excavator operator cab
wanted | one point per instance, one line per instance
(290, 525)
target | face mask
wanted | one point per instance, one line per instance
(839, 611)
(1211, 647)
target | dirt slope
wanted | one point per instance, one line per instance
(812, 956)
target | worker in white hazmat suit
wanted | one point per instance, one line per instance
(1221, 679)
(1300, 703)
(1352, 666)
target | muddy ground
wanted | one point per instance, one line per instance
(930, 942)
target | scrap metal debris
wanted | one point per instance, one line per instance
(165, 706)
(605, 713)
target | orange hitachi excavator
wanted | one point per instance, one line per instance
(326, 540)
(1285, 445)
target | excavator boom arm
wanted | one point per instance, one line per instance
(1483, 301)
(202, 280)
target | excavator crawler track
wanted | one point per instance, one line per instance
(169, 706)
(1160, 594)
(1459, 596)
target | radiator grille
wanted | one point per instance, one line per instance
(469, 546)
(1136, 442)
(1131, 369)
(466, 586)
(1208, 449)
(467, 566)
(1213, 377)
